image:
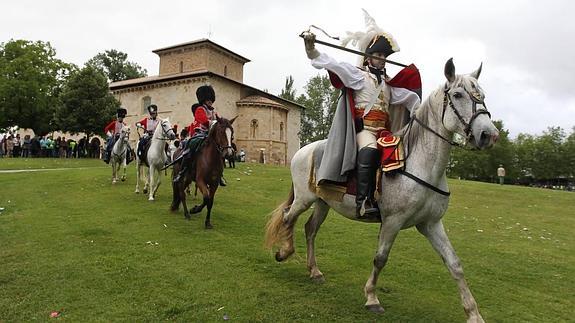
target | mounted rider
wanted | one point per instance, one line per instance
(363, 113)
(204, 115)
(149, 125)
(112, 131)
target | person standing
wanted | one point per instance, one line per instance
(501, 174)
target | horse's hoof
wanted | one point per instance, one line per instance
(145, 191)
(196, 209)
(209, 226)
(123, 179)
(151, 199)
(278, 257)
(318, 279)
(188, 216)
(375, 308)
(137, 191)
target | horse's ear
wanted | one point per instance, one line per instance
(449, 70)
(476, 73)
(233, 119)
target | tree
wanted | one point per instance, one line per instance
(320, 101)
(87, 104)
(31, 78)
(288, 92)
(115, 65)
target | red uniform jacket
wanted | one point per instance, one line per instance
(149, 124)
(114, 127)
(202, 117)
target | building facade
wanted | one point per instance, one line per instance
(267, 126)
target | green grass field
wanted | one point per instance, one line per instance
(70, 241)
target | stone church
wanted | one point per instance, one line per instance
(266, 127)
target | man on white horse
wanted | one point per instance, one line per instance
(149, 124)
(363, 117)
(112, 131)
(204, 114)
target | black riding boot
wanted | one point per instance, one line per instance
(107, 154)
(367, 161)
(186, 159)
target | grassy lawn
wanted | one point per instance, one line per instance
(70, 241)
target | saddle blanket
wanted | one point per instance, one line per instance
(392, 158)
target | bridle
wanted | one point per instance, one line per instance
(219, 147)
(164, 131)
(448, 101)
(475, 99)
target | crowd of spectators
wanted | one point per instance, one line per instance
(13, 146)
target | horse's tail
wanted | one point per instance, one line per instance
(277, 232)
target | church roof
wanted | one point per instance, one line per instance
(198, 42)
(258, 100)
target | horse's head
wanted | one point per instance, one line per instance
(464, 110)
(222, 133)
(165, 130)
(125, 133)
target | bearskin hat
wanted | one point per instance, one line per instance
(152, 108)
(204, 93)
(121, 112)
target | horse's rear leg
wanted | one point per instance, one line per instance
(387, 234)
(435, 233)
(137, 191)
(279, 229)
(311, 228)
(125, 166)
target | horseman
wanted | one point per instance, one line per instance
(204, 115)
(362, 115)
(149, 125)
(112, 131)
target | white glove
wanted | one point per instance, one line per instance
(309, 40)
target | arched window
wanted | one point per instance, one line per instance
(146, 101)
(282, 131)
(254, 128)
(181, 67)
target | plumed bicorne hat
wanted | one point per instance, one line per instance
(121, 112)
(373, 40)
(152, 108)
(204, 93)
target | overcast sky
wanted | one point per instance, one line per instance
(526, 46)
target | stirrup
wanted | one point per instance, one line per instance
(371, 212)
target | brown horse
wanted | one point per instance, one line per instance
(206, 169)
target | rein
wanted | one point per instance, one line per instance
(447, 101)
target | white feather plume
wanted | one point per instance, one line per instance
(361, 39)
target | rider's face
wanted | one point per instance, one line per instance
(208, 103)
(153, 115)
(377, 63)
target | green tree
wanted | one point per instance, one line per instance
(569, 154)
(288, 92)
(115, 65)
(31, 78)
(320, 101)
(548, 152)
(87, 104)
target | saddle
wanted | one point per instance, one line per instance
(392, 159)
(143, 150)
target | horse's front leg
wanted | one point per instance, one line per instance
(125, 166)
(387, 233)
(209, 203)
(114, 173)
(137, 191)
(311, 227)
(152, 179)
(203, 187)
(435, 233)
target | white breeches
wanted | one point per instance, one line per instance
(366, 138)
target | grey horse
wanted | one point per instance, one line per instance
(457, 107)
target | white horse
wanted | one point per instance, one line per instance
(155, 158)
(452, 108)
(119, 152)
